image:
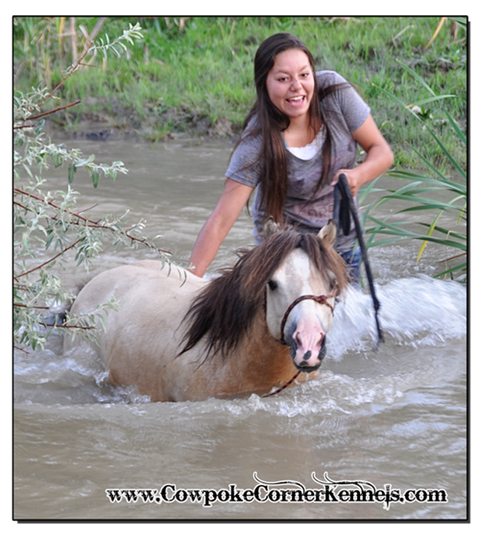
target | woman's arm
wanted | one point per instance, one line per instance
(231, 203)
(379, 156)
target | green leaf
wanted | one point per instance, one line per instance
(417, 77)
(451, 234)
(95, 177)
(434, 99)
(392, 229)
(460, 134)
(447, 154)
(429, 233)
(441, 183)
(462, 266)
(72, 169)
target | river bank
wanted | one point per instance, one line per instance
(126, 124)
(195, 74)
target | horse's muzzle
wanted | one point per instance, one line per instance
(307, 362)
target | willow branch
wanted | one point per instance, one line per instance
(72, 70)
(95, 224)
(66, 326)
(49, 261)
(51, 111)
(30, 306)
(38, 198)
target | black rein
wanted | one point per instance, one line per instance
(345, 206)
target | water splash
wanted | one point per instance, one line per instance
(414, 311)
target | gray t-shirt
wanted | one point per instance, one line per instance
(310, 211)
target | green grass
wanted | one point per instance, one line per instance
(440, 201)
(176, 77)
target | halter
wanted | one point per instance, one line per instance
(322, 300)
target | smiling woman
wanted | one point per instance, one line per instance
(290, 86)
(299, 136)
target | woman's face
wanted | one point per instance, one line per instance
(290, 83)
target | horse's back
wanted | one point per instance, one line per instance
(152, 300)
(129, 282)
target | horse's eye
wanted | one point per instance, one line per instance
(272, 284)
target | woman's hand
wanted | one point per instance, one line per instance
(352, 178)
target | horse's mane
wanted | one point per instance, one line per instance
(225, 310)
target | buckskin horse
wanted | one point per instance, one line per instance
(252, 329)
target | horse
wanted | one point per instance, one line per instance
(262, 321)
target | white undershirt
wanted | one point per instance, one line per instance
(310, 150)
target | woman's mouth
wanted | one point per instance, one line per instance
(296, 101)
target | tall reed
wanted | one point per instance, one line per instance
(425, 193)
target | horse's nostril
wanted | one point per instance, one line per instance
(298, 339)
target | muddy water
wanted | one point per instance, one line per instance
(394, 419)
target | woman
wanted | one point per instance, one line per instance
(300, 135)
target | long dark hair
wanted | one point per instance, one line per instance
(270, 122)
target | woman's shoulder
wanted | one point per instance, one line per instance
(250, 135)
(248, 144)
(347, 101)
(253, 125)
(329, 78)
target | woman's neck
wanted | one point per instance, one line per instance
(299, 133)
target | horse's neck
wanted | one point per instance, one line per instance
(255, 366)
(260, 360)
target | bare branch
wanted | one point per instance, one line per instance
(49, 261)
(52, 111)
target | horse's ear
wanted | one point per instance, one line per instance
(328, 233)
(269, 228)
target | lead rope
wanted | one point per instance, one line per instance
(341, 216)
(284, 387)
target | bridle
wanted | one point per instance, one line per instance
(322, 300)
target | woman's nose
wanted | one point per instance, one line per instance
(295, 84)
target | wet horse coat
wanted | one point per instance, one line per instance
(177, 339)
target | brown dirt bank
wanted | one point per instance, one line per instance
(126, 124)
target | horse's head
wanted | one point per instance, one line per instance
(288, 273)
(300, 297)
